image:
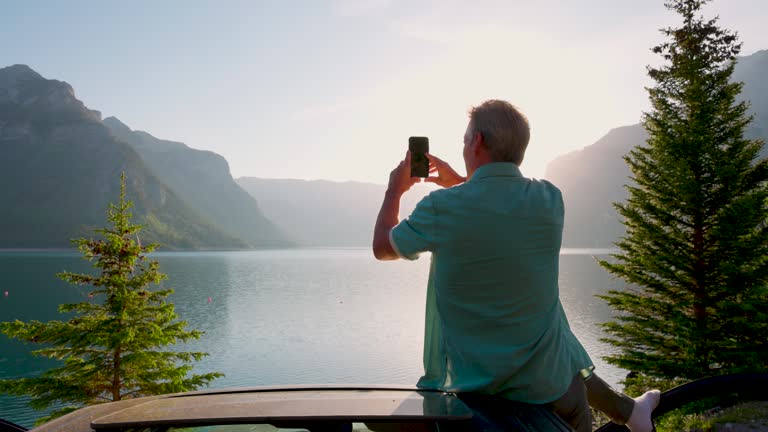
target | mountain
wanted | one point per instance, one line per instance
(60, 168)
(202, 180)
(593, 178)
(324, 213)
(751, 70)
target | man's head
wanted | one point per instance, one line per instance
(497, 132)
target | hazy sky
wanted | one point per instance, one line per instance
(332, 89)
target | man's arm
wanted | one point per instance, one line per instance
(387, 219)
(400, 181)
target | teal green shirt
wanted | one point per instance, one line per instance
(494, 322)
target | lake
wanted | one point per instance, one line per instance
(298, 316)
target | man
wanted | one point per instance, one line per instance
(494, 322)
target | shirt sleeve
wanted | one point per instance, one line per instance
(415, 234)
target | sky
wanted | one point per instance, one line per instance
(333, 89)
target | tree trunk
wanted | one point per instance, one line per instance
(116, 375)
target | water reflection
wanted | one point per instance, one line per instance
(581, 280)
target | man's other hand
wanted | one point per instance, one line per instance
(446, 176)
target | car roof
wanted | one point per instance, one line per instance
(267, 405)
(285, 406)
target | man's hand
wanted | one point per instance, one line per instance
(446, 176)
(400, 179)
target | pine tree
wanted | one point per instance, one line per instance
(695, 253)
(115, 345)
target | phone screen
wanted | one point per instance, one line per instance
(419, 146)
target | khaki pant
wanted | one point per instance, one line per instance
(574, 405)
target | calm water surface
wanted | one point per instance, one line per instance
(305, 316)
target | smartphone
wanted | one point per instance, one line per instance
(419, 147)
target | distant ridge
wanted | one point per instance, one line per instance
(324, 213)
(593, 178)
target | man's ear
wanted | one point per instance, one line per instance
(479, 142)
(479, 138)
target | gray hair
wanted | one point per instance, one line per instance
(504, 129)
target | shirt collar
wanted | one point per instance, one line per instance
(496, 169)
